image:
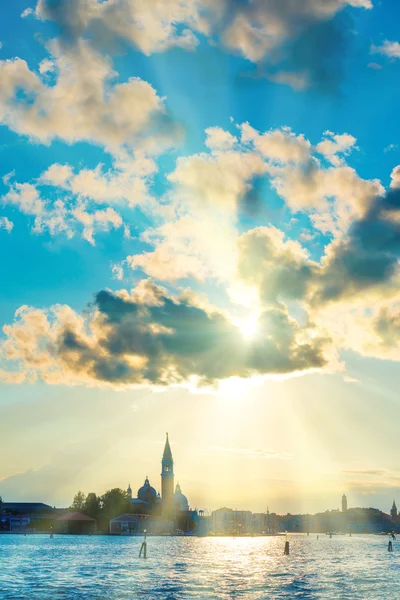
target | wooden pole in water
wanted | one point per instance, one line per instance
(287, 549)
(143, 547)
(390, 546)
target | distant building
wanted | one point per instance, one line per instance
(22, 508)
(27, 516)
(393, 511)
(75, 523)
(126, 524)
(203, 523)
(344, 503)
(167, 481)
(170, 504)
(180, 500)
(232, 522)
(147, 501)
(14, 523)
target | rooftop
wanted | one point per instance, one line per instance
(167, 450)
(125, 517)
(75, 516)
(26, 507)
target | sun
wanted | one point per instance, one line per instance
(249, 327)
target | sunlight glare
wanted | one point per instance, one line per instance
(249, 327)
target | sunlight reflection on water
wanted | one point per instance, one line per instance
(96, 567)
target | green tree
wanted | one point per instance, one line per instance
(92, 505)
(114, 502)
(78, 502)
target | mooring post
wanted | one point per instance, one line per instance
(143, 547)
(390, 546)
(287, 549)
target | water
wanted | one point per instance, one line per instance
(97, 568)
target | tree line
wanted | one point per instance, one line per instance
(111, 504)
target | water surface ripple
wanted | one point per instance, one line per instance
(96, 567)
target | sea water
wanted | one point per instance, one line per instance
(97, 567)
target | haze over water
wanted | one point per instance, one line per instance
(77, 568)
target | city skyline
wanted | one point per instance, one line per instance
(208, 507)
(200, 234)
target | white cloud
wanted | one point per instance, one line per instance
(260, 27)
(117, 271)
(27, 12)
(277, 145)
(127, 182)
(395, 177)
(279, 268)
(151, 26)
(66, 201)
(335, 147)
(218, 180)
(199, 238)
(260, 30)
(197, 246)
(391, 147)
(84, 103)
(334, 197)
(219, 139)
(58, 216)
(47, 66)
(349, 379)
(347, 299)
(12, 377)
(389, 49)
(297, 80)
(6, 224)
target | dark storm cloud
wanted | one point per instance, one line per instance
(369, 256)
(178, 340)
(160, 340)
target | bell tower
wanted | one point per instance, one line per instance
(167, 481)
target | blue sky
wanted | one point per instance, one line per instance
(199, 207)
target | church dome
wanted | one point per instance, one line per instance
(147, 493)
(180, 500)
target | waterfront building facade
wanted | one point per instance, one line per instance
(75, 523)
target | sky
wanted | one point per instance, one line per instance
(200, 234)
